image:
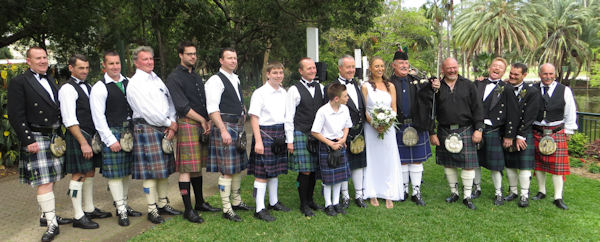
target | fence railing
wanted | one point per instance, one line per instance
(589, 124)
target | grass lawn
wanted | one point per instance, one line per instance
(437, 221)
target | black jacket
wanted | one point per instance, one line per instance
(499, 107)
(530, 102)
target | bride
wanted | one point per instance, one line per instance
(383, 174)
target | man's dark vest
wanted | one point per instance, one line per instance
(555, 107)
(230, 101)
(307, 108)
(83, 111)
(117, 108)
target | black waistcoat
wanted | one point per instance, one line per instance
(117, 108)
(307, 108)
(554, 108)
(82, 110)
(230, 102)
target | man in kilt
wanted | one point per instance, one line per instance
(303, 100)
(187, 91)
(80, 161)
(558, 118)
(224, 104)
(458, 112)
(112, 119)
(356, 105)
(411, 157)
(521, 156)
(153, 119)
(268, 157)
(34, 114)
(331, 126)
(499, 118)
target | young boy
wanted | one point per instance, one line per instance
(267, 115)
(330, 127)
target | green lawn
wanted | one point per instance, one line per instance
(437, 221)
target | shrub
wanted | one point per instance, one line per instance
(577, 144)
(9, 142)
(594, 168)
(576, 162)
(593, 149)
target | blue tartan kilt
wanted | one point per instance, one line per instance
(225, 158)
(74, 161)
(268, 165)
(524, 159)
(413, 154)
(42, 167)
(491, 155)
(330, 176)
(302, 160)
(149, 160)
(116, 164)
(467, 158)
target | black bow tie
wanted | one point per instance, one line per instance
(349, 82)
(516, 89)
(493, 82)
(41, 75)
(311, 84)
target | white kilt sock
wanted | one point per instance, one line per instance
(335, 191)
(150, 192)
(405, 177)
(558, 186)
(541, 179)
(116, 190)
(162, 191)
(261, 189)
(524, 180)
(344, 190)
(497, 180)
(272, 184)
(327, 194)
(416, 174)
(357, 179)
(452, 176)
(76, 193)
(513, 178)
(126, 180)
(47, 204)
(467, 179)
(477, 178)
(88, 195)
(225, 192)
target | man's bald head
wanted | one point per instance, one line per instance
(547, 73)
(450, 69)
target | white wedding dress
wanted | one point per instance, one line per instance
(383, 174)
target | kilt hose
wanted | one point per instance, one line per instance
(413, 154)
(491, 154)
(191, 153)
(557, 163)
(74, 161)
(225, 158)
(149, 160)
(302, 160)
(331, 176)
(467, 158)
(116, 164)
(356, 161)
(268, 165)
(42, 167)
(524, 159)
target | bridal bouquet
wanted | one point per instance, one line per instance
(383, 116)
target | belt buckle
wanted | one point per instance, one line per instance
(454, 126)
(547, 132)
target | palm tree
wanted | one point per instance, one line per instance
(436, 10)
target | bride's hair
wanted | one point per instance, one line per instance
(386, 81)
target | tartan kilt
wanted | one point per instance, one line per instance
(268, 165)
(225, 158)
(149, 160)
(191, 154)
(356, 161)
(557, 163)
(116, 164)
(413, 154)
(467, 158)
(491, 155)
(330, 176)
(524, 159)
(302, 160)
(74, 161)
(42, 167)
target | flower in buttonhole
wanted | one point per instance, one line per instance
(4, 73)
(6, 116)
(6, 133)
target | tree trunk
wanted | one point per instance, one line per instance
(266, 61)
(439, 56)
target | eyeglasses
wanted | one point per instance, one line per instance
(190, 54)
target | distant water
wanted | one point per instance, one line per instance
(588, 100)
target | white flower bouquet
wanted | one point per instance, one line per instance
(382, 118)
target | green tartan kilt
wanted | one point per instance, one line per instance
(524, 159)
(491, 155)
(302, 160)
(74, 161)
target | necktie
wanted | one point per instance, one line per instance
(120, 85)
(405, 98)
(546, 96)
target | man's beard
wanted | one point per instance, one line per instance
(451, 77)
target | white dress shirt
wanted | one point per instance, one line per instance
(149, 99)
(214, 89)
(330, 123)
(351, 91)
(292, 100)
(488, 89)
(67, 95)
(570, 113)
(268, 105)
(98, 104)
(45, 84)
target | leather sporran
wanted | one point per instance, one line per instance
(96, 144)
(279, 147)
(334, 158)
(58, 146)
(126, 141)
(203, 137)
(453, 143)
(357, 145)
(240, 143)
(312, 144)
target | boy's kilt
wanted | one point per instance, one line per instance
(42, 167)
(225, 158)
(491, 154)
(302, 160)
(413, 154)
(268, 165)
(116, 164)
(467, 158)
(74, 161)
(191, 153)
(330, 176)
(524, 159)
(149, 160)
(557, 163)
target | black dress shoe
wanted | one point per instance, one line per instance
(498, 200)
(538, 196)
(206, 207)
(85, 223)
(50, 233)
(560, 204)
(418, 199)
(330, 211)
(155, 217)
(131, 212)
(123, 219)
(59, 219)
(312, 205)
(168, 210)
(97, 213)
(469, 203)
(510, 197)
(360, 203)
(264, 215)
(306, 211)
(452, 198)
(523, 202)
(279, 207)
(339, 209)
(192, 216)
(243, 207)
(230, 215)
(476, 194)
(345, 203)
